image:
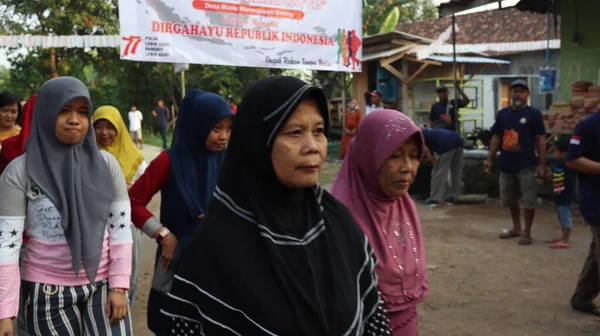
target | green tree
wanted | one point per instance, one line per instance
(59, 17)
(4, 78)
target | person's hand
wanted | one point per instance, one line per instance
(432, 159)
(169, 244)
(117, 306)
(448, 118)
(6, 327)
(154, 113)
(488, 165)
(457, 84)
(541, 171)
(201, 216)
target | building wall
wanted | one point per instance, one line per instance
(360, 85)
(579, 62)
(529, 63)
(526, 64)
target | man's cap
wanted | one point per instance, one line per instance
(441, 88)
(376, 93)
(520, 82)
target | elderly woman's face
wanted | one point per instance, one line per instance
(300, 147)
(72, 122)
(398, 172)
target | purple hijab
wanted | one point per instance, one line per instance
(402, 269)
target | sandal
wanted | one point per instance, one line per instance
(559, 245)
(525, 240)
(507, 234)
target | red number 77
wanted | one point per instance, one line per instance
(132, 44)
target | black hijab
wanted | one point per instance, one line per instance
(269, 260)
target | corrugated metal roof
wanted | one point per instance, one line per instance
(509, 47)
(384, 53)
(467, 59)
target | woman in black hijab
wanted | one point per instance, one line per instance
(277, 254)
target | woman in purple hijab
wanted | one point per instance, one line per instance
(380, 166)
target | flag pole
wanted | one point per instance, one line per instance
(457, 121)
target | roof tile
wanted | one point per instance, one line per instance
(501, 25)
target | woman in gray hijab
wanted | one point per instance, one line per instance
(72, 200)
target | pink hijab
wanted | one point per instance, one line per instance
(391, 224)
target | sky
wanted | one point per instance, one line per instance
(505, 3)
(508, 3)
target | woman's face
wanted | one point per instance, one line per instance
(106, 132)
(398, 172)
(219, 136)
(300, 147)
(72, 122)
(8, 115)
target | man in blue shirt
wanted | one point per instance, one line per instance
(448, 149)
(161, 113)
(584, 158)
(518, 132)
(444, 113)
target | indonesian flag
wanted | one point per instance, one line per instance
(575, 140)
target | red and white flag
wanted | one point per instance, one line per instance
(575, 140)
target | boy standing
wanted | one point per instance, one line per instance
(135, 126)
(161, 113)
(564, 192)
(584, 157)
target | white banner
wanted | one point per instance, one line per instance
(298, 34)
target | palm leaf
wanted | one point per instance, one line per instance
(391, 21)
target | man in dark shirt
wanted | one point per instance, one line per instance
(584, 158)
(444, 113)
(448, 149)
(518, 132)
(161, 113)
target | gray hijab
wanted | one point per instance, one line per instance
(74, 177)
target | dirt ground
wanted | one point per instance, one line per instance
(479, 285)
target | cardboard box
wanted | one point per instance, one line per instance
(560, 107)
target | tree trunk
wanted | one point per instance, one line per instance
(53, 70)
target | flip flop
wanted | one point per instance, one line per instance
(507, 234)
(555, 240)
(559, 245)
(525, 240)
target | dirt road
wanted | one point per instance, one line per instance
(480, 285)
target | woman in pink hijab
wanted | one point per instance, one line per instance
(380, 166)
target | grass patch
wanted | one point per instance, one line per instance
(330, 170)
(154, 139)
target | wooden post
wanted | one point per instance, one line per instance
(404, 89)
(53, 70)
(182, 84)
